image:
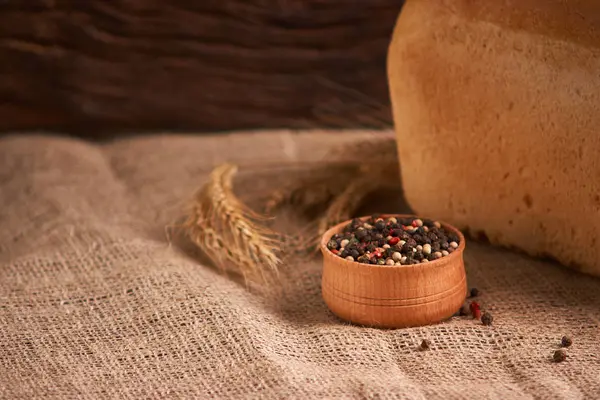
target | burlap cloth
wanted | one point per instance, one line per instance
(95, 304)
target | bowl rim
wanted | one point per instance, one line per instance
(432, 264)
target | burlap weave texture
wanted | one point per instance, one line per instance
(95, 304)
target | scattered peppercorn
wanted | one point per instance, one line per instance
(425, 345)
(566, 341)
(487, 318)
(403, 241)
(475, 309)
(560, 355)
(475, 292)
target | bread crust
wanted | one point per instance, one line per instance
(497, 113)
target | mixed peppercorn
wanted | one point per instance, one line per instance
(393, 241)
(473, 308)
(560, 355)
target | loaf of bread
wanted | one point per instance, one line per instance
(497, 112)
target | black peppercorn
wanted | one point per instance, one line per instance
(475, 292)
(487, 318)
(406, 221)
(465, 310)
(559, 355)
(345, 253)
(351, 227)
(432, 236)
(404, 236)
(360, 234)
(364, 259)
(373, 260)
(371, 247)
(425, 345)
(332, 244)
(354, 253)
(380, 225)
(566, 341)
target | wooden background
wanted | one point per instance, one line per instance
(97, 66)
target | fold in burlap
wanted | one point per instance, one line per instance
(95, 303)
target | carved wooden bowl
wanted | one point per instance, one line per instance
(393, 296)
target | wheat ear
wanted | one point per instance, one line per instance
(226, 230)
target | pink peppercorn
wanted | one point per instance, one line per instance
(475, 309)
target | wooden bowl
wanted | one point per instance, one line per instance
(393, 296)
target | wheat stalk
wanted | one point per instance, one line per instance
(346, 204)
(315, 187)
(347, 163)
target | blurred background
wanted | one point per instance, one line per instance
(100, 68)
